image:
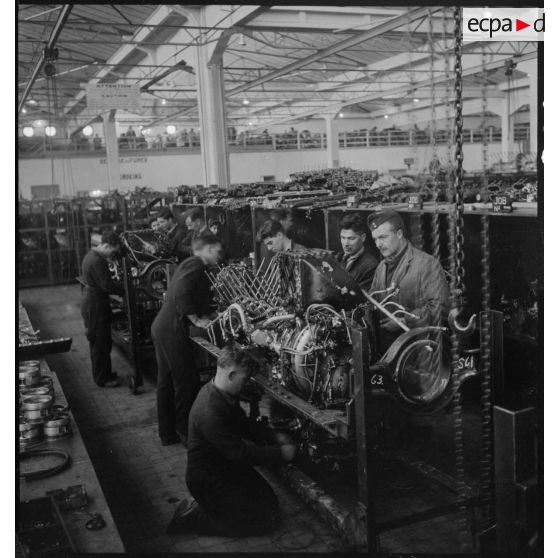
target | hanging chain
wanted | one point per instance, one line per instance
(417, 233)
(449, 130)
(434, 169)
(458, 286)
(486, 499)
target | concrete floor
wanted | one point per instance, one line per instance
(143, 481)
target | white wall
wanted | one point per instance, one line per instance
(161, 171)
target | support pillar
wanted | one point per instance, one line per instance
(507, 129)
(533, 121)
(211, 105)
(111, 140)
(332, 135)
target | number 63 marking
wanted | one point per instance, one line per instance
(377, 380)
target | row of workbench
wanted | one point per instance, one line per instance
(76, 488)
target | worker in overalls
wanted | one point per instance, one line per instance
(95, 306)
(188, 302)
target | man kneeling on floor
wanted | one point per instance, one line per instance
(231, 497)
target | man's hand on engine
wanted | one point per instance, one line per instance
(287, 447)
(203, 323)
(283, 439)
(288, 452)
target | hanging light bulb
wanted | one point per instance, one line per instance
(171, 129)
(386, 116)
(340, 115)
(28, 131)
(50, 131)
(87, 130)
(415, 100)
(24, 110)
(163, 101)
(245, 102)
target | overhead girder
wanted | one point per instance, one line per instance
(308, 19)
(156, 17)
(320, 89)
(468, 69)
(337, 47)
(53, 37)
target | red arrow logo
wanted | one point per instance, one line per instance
(519, 25)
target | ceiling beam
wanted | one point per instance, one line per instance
(338, 105)
(54, 34)
(157, 17)
(397, 21)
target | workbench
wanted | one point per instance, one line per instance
(79, 472)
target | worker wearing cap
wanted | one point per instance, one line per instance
(416, 277)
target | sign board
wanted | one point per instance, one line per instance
(414, 201)
(502, 203)
(107, 96)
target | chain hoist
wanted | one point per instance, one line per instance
(447, 79)
(434, 169)
(486, 379)
(457, 283)
(417, 233)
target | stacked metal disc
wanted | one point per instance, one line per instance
(57, 426)
(29, 373)
(39, 418)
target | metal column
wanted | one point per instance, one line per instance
(212, 115)
(135, 381)
(365, 438)
(113, 164)
(332, 141)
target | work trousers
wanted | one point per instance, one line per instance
(178, 383)
(96, 313)
(234, 504)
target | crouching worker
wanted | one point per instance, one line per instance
(230, 497)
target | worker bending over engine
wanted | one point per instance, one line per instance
(230, 497)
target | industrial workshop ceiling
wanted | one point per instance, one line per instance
(281, 63)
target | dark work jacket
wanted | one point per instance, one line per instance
(183, 241)
(362, 269)
(217, 437)
(189, 292)
(96, 275)
(423, 289)
(177, 242)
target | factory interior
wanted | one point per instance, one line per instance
(330, 216)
